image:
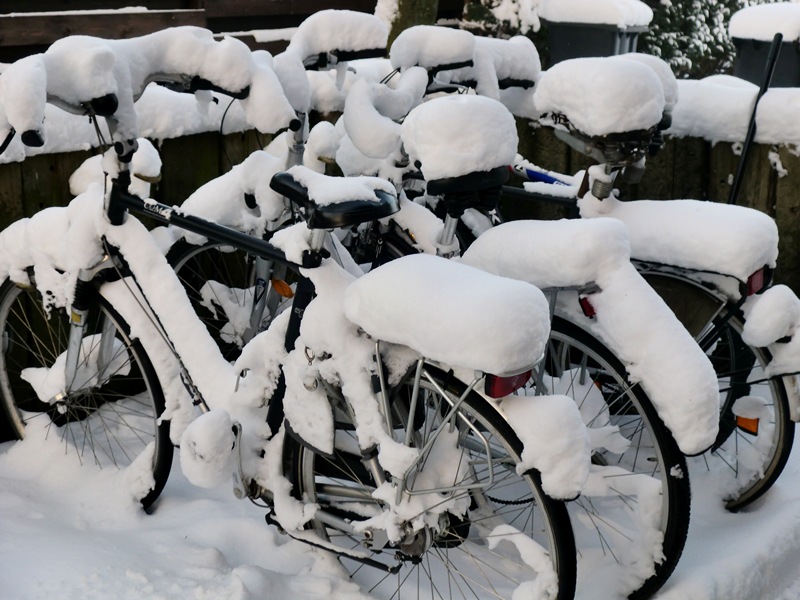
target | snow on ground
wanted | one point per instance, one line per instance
(65, 533)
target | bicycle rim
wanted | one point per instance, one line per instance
(111, 419)
(756, 431)
(631, 523)
(475, 550)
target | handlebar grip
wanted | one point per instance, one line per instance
(104, 106)
(33, 138)
(197, 84)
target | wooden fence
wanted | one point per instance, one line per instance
(30, 26)
(685, 168)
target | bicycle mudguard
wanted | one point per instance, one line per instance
(630, 318)
(773, 320)
(692, 234)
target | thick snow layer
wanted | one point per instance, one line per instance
(668, 81)
(457, 135)
(496, 60)
(763, 21)
(71, 532)
(602, 95)
(622, 13)
(78, 69)
(722, 238)
(430, 47)
(471, 319)
(718, 108)
(344, 30)
(630, 318)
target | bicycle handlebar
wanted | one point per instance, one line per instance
(334, 57)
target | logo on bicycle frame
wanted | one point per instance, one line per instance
(159, 209)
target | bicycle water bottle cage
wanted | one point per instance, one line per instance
(338, 214)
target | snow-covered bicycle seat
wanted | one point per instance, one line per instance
(331, 202)
(608, 108)
(455, 136)
(452, 313)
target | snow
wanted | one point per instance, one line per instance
(763, 21)
(602, 95)
(630, 318)
(434, 134)
(622, 13)
(343, 30)
(430, 47)
(203, 542)
(70, 532)
(508, 320)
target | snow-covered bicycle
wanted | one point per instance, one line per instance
(370, 446)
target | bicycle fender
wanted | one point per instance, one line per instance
(555, 441)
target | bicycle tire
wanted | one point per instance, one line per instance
(749, 464)
(108, 424)
(218, 280)
(439, 572)
(582, 367)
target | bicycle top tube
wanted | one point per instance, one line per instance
(121, 199)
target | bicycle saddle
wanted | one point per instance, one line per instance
(331, 202)
(607, 108)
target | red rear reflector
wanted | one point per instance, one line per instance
(586, 307)
(757, 281)
(497, 387)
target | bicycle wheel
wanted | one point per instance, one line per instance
(219, 281)
(111, 420)
(632, 521)
(504, 537)
(756, 430)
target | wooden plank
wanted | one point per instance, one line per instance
(45, 179)
(187, 163)
(223, 9)
(26, 6)
(12, 207)
(787, 215)
(235, 147)
(690, 176)
(42, 30)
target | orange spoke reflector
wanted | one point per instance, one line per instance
(283, 288)
(748, 425)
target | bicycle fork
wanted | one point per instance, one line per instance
(76, 354)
